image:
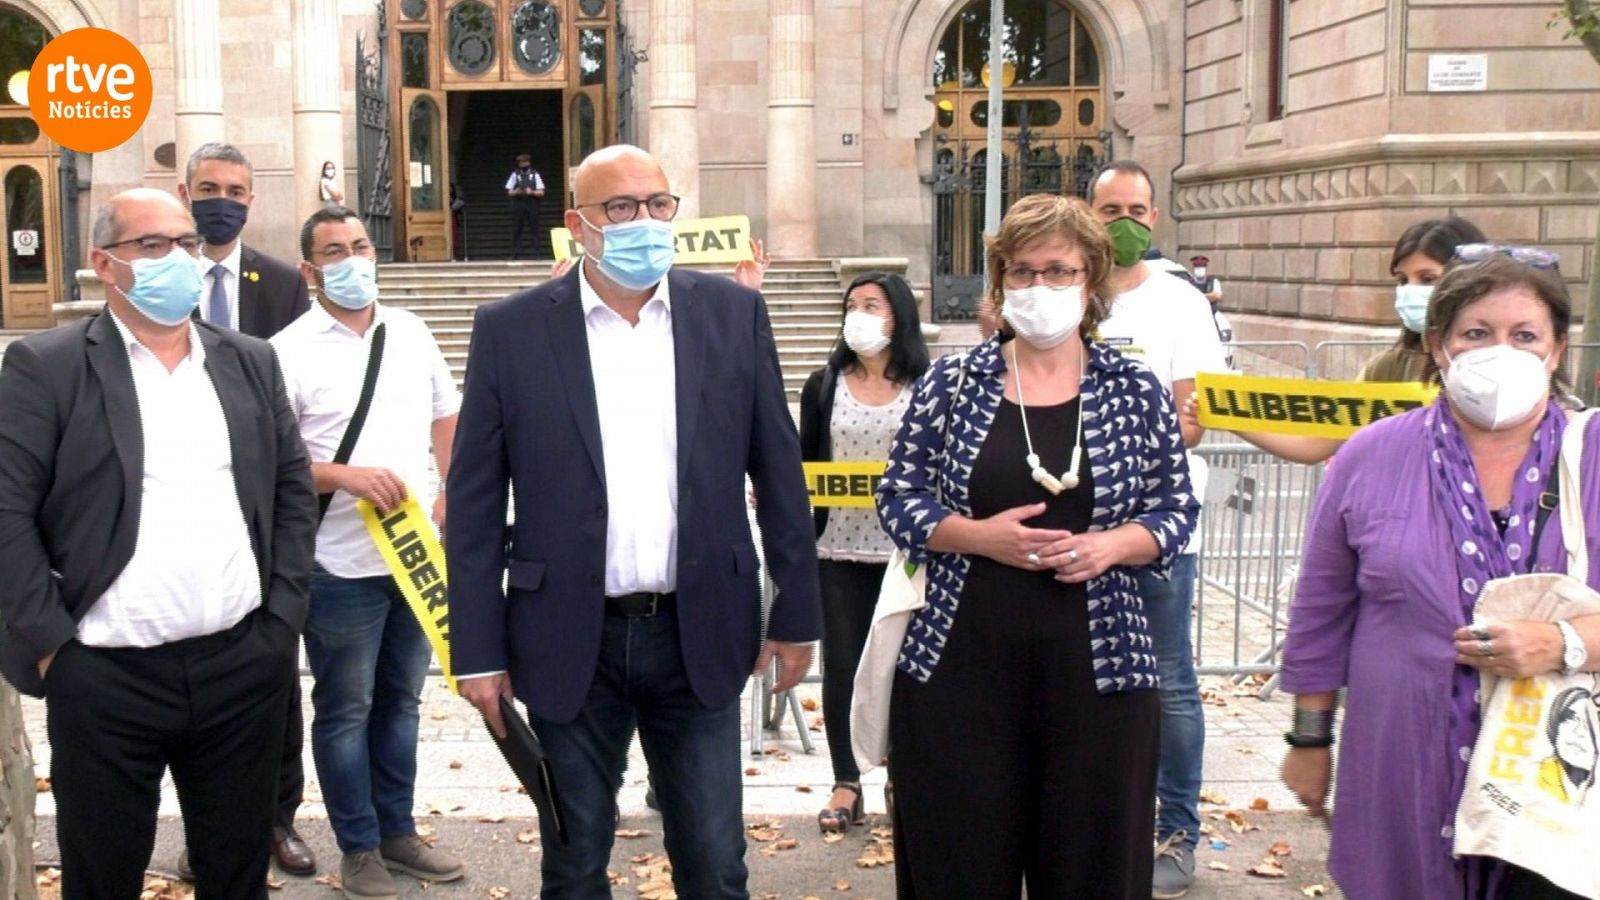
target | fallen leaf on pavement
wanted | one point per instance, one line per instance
(1267, 868)
(41, 785)
(1315, 890)
(802, 788)
(1213, 797)
(331, 880)
(786, 844)
(809, 704)
(455, 763)
(499, 893)
(631, 833)
(1219, 866)
(492, 818)
(752, 771)
(1259, 804)
(832, 837)
(841, 885)
(528, 837)
(1279, 848)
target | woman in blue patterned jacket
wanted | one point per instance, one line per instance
(1032, 475)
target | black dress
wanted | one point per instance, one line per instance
(1007, 764)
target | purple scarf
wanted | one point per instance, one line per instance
(1482, 554)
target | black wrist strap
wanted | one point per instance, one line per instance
(347, 444)
(1303, 742)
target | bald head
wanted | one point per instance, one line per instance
(136, 205)
(617, 170)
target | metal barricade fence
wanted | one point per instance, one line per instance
(1251, 534)
(1344, 360)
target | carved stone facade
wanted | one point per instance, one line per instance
(1298, 207)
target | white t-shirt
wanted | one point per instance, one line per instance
(1166, 324)
(324, 365)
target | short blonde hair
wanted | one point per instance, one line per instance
(1041, 216)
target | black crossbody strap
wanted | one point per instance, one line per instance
(1549, 502)
(369, 385)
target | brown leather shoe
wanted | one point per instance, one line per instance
(291, 852)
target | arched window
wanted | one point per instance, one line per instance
(21, 39)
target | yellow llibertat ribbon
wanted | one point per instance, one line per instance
(406, 539)
(1329, 409)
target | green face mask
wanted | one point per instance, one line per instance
(1129, 240)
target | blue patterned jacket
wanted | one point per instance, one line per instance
(1140, 475)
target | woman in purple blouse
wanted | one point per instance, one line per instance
(1420, 511)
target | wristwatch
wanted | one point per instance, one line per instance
(1573, 654)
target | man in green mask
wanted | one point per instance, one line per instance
(1160, 319)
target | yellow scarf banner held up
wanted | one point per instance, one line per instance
(723, 239)
(406, 540)
(843, 483)
(1328, 409)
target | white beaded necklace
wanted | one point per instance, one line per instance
(1069, 478)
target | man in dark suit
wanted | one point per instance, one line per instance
(249, 291)
(156, 528)
(627, 404)
(245, 289)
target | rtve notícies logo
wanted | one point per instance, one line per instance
(89, 89)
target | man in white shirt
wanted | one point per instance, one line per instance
(1159, 319)
(369, 656)
(525, 187)
(156, 529)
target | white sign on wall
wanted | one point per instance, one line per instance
(25, 243)
(1458, 72)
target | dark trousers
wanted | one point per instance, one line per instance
(211, 709)
(291, 770)
(1008, 766)
(695, 767)
(524, 213)
(849, 593)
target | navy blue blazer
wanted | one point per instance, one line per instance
(529, 422)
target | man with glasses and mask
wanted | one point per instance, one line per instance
(627, 401)
(369, 656)
(1160, 319)
(156, 528)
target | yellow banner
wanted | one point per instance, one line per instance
(843, 483)
(724, 239)
(1330, 409)
(409, 546)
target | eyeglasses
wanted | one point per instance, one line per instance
(1537, 257)
(1017, 277)
(626, 209)
(156, 245)
(339, 252)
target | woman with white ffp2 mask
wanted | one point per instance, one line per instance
(850, 409)
(1419, 513)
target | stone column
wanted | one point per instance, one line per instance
(197, 59)
(791, 132)
(674, 110)
(318, 119)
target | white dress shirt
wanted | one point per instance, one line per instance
(229, 267)
(324, 364)
(193, 571)
(635, 388)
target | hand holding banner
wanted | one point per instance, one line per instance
(406, 539)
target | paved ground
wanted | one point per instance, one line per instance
(465, 794)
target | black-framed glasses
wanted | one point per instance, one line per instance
(1018, 277)
(160, 244)
(626, 209)
(1537, 257)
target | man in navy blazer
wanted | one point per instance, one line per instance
(625, 404)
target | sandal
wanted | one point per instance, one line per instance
(838, 819)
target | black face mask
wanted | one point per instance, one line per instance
(219, 219)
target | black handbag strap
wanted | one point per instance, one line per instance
(1549, 501)
(347, 444)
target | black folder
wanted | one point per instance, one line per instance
(526, 757)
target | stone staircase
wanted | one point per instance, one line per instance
(803, 298)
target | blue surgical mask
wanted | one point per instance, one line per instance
(351, 283)
(1411, 305)
(165, 290)
(637, 253)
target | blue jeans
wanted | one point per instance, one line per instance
(369, 658)
(693, 754)
(1169, 606)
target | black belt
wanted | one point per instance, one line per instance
(634, 606)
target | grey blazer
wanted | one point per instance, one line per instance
(71, 451)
